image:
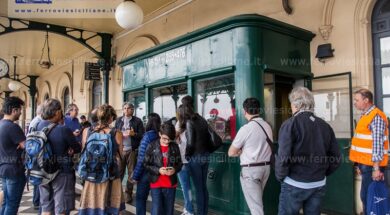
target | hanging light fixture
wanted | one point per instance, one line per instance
(45, 64)
(128, 14)
(14, 84)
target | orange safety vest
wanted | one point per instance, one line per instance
(362, 142)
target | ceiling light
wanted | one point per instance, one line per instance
(45, 64)
(129, 15)
(14, 85)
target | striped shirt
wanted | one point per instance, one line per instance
(377, 127)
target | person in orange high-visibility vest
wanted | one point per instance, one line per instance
(369, 149)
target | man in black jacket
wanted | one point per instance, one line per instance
(133, 131)
(308, 152)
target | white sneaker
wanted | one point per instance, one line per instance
(185, 212)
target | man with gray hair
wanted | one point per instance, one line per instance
(33, 124)
(58, 196)
(308, 152)
(72, 122)
(133, 131)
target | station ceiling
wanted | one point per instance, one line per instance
(27, 45)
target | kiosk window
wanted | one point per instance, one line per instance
(216, 103)
(138, 99)
(167, 99)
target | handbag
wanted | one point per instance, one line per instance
(270, 144)
(378, 198)
(215, 140)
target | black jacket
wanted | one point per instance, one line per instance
(198, 136)
(308, 150)
(139, 130)
(153, 160)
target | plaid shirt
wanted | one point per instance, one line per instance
(377, 127)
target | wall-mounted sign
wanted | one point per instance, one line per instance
(92, 71)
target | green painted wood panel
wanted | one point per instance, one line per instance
(221, 50)
(285, 53)
(339, 197)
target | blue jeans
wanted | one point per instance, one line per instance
(184, 178)
(141, 196)
(198, 166)
(13, 190)
(163, 200)
(36, 196)
(292, 199)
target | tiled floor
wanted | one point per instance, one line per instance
(26, 207)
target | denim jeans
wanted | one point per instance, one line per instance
(163, 200)
(184, 178)
(36, 195)
(292, 199)
(143, 188)
(13, 190)
(198, 166)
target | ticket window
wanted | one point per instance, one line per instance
(167, 99)
(277, 107)
(138, 100)
(215, 101)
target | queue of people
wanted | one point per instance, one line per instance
(161, 154)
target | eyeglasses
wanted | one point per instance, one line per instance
(166, 139)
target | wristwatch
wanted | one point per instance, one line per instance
(375, 168)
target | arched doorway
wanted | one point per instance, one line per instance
(46, 97)
(96, 94)
(66, 98)
(381, 44)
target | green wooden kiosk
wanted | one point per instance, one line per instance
(220, 66)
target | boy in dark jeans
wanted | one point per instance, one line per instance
(162, 163)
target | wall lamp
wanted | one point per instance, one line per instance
(324, 51)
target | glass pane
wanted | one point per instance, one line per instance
(385, 8)
(386, 80)
(332, 99)
(386, 106)
(269, 100)
(138, 100)
(216, 103)
(167, 99)
(385, 50)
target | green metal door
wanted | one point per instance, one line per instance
(333, 102)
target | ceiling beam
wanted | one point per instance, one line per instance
(11, 25)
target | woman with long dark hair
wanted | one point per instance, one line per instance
(184, 174)
(197, 151)
(139, 176)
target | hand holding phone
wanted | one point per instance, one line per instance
(170, 170)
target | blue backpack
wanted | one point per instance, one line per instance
(97, 163)
(378, 202)
(40, 163)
